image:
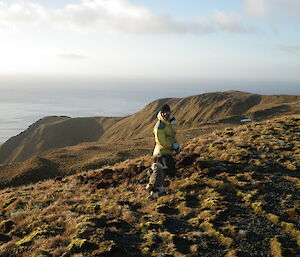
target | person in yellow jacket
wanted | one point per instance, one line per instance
(166, 140)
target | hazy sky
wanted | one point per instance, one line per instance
(151, 38)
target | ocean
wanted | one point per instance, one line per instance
(23, 102)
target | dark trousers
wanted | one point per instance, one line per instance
(168, 161)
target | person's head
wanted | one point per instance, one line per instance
(165, 111)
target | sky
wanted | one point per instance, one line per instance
(233, 39)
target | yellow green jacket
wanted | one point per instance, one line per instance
(165, 136)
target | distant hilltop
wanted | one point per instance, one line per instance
(70, 144)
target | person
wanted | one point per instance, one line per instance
(166, 140)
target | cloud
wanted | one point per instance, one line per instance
(229, 23)
(291, 7)
(71, 56)
(22, 13)
(257, 8)
(261, 8)
(114, 16)
(292, 49)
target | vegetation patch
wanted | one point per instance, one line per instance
(234, 196)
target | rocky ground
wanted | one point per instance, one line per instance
(237, 194)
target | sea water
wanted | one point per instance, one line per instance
(24, 101)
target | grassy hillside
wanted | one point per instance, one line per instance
(211, 108)
(191, 112)
(69, 160)
(237, 194)
(52, 133)
(60, 146)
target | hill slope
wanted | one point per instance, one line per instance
(191, 112)
(237, 194)
(210, 108)
(51, 133)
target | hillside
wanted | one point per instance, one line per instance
(60, 146)
(52, 133)
(69, 160)
(191, 112)
(237, 194)
(210, 108)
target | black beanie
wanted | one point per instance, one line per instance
(165, 108)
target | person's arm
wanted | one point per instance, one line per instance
(176, 146)
(175, 136)
(173, 123)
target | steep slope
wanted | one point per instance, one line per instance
(237, 194)
(9, 147)
(51, 133)
(210, 108)
(191, 112)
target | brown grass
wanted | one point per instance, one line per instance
(70, 145)
(208, 208)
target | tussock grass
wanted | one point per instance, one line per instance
(276, 249)
(214, 207)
